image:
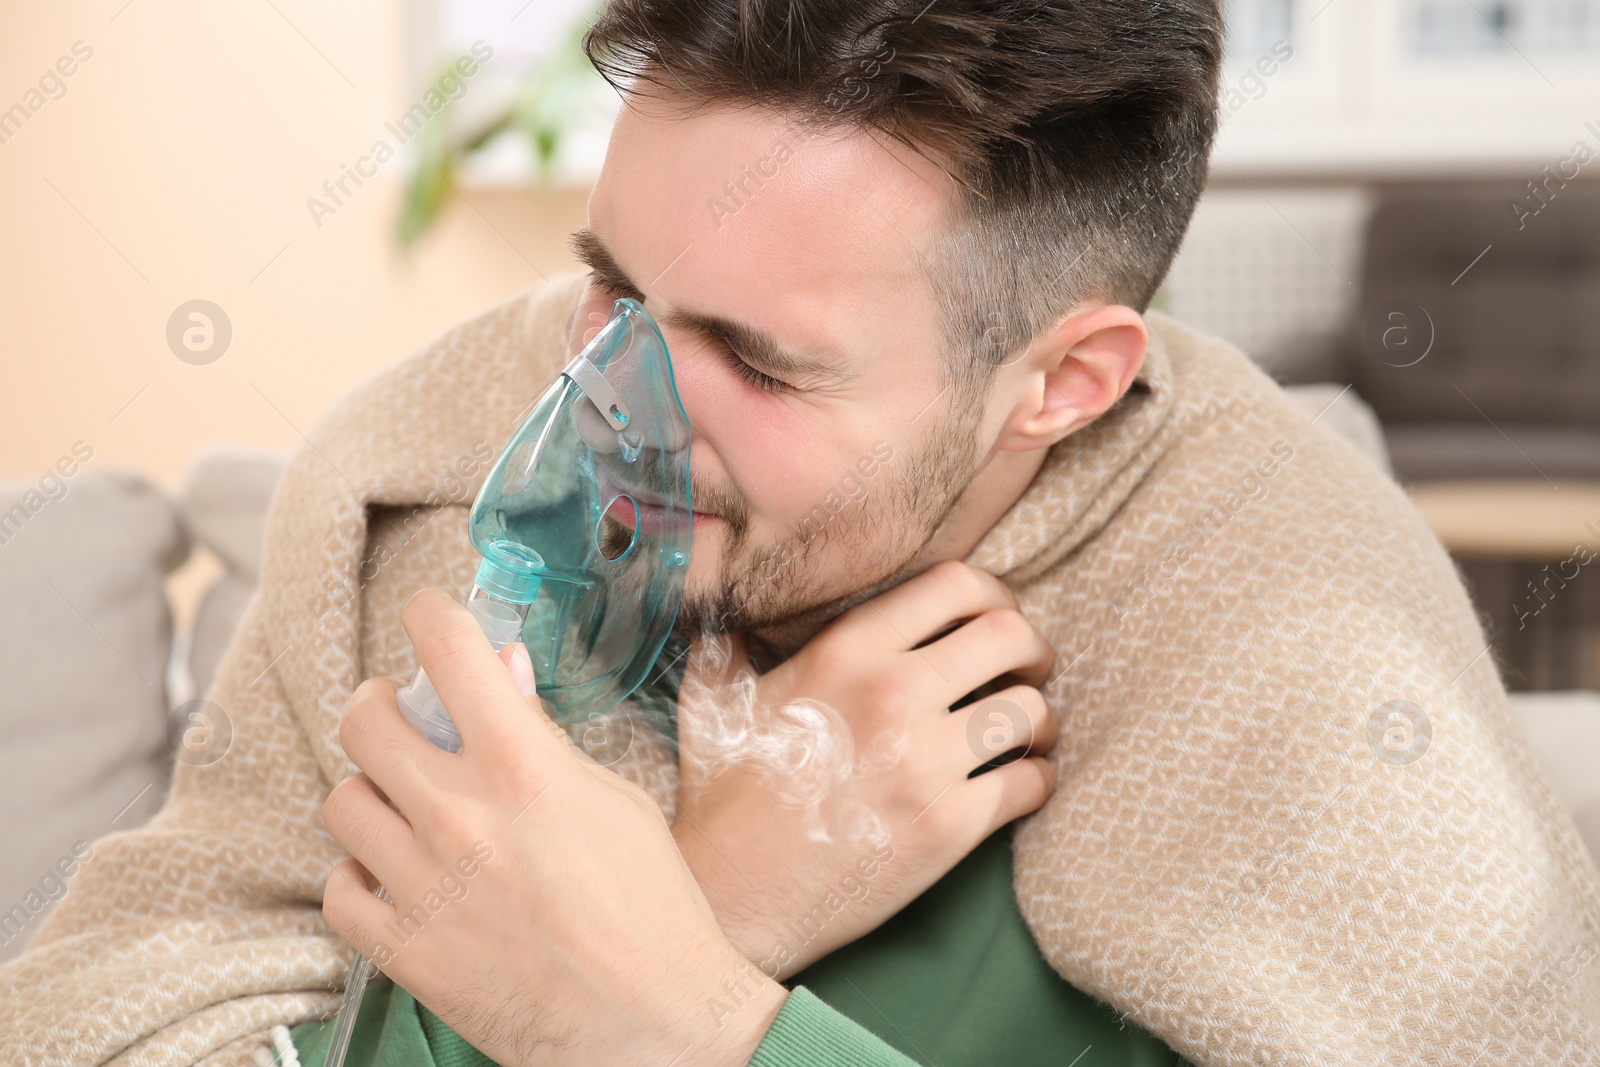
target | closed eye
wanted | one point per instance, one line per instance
(756, 378)
(604, 277)
(765, 382)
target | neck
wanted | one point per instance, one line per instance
(996, 485)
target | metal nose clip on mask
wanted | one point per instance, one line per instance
(584, 524)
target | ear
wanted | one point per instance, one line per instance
(1072, 374)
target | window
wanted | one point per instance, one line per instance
(530, 39)
(1406, 88)
(1457, 27)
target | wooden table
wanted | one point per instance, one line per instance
(1512, 540)
(1512, 520)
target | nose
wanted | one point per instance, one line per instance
(699, 389)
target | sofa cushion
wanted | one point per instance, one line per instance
(85, 639)
(1563, 729)
(1447, 451)
(224, 506)
(1509, 323)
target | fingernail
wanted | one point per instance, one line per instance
(522, 671)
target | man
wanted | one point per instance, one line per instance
(900, 253)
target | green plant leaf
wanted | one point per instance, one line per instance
(551, 96)
(435, 165)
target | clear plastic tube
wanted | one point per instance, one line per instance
(501, 620)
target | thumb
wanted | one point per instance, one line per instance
(515, 657)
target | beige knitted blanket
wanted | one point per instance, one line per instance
(1294, 823)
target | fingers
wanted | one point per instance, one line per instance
(995, 643)
(920, 607)
(370, 830)
(379, 740)
(1013, 718)
(477, 690)
(349, 906)
(1010, 792)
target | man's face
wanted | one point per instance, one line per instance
(742, 234)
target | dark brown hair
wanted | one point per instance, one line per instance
(1076, 131)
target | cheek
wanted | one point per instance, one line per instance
(748, 441)
(782, 455)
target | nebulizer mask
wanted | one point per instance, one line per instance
(584, 524)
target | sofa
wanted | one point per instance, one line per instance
(1475, 335)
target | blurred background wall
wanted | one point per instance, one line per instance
(177, 166)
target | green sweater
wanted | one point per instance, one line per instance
(955, 980)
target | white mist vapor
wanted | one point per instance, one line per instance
(803, 749)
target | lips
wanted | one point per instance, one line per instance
(652, 508)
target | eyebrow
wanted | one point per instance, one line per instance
(757, 346)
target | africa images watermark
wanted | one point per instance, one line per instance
(451, 86)
(850, 488)
(1536, 601)
(736, 192)
(1265, 865)
(453, 887)
(52, 86)
(802, 932)
(52, 887)
(1399, 732)
(1543, 190)
(50, 487)
(1252, 85)
(199, 332)
(809, 926)
(199, 733)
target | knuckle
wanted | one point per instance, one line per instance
(333, 912)
(344, 818)
(362, 696)
(962, 579)
(447, 643)
(888, 692)
(1030, 785)
(336, 808)
(639, 797)
(1008, 626)
(357, 720)
(339, 913)
(1031, 700)
(997, 726)
(458, 825)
